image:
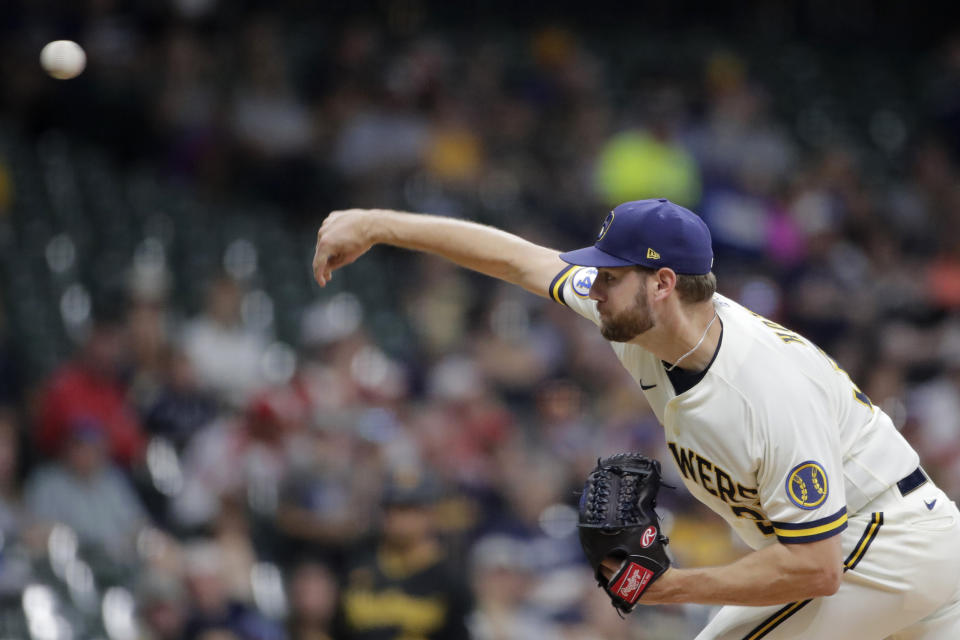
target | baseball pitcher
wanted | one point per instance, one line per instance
(850, 538)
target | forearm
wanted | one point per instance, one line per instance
(774, 575)
(468, 244)
(347, 234)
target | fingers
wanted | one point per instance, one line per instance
(324, 264)
(339, 242)
(322, 271)
(320, 275)
(320, 257)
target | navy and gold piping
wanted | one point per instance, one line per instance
(859, 550)
(796, 532)
(776, 619)
(869, 535)
(556, 286)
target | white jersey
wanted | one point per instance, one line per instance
(775, 437)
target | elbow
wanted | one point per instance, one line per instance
(817, 566)
(827, 581)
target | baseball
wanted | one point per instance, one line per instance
(63, 59)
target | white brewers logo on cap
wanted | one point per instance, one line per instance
(607, 222)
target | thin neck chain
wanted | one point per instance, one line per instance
(696, 346)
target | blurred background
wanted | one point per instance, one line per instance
(198, 442)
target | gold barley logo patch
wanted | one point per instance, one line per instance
(652, 255)
(807, 485)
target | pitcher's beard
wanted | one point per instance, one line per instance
(628, 324)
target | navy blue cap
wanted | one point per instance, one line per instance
(651, 233)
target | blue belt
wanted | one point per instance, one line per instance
(912, 482)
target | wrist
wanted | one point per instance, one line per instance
(369, 227)
(666, 589)
(388, 226)
(394, 228)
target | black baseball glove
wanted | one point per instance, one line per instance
(617, 520)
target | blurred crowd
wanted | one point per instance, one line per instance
(410, 467)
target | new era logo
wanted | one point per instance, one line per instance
(652, 255)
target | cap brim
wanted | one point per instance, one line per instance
(593, 257)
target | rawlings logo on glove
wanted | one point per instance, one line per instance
(618, 521)
(634, 579)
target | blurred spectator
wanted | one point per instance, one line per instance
(270, 125)
(148, 342)
(461, 396)
(514, 348)
(161, 606)
(179, 409)
(562, 427)
(455, 152)
(211, 607)
(343, 367)
(438, 306)
(379, 139)
(649, 162)
(89, 388)
(225, 355)
(85, 491)
(503, 580)
(738, 142)
(601, 622)
(233, 537)
(258, 443)
(404, 585)
(312, 592)
(537, 513)
(330, 496)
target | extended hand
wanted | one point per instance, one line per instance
(343, 237)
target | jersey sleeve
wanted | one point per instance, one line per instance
(571, 288)
(801, 482)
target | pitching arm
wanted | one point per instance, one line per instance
(346, 235)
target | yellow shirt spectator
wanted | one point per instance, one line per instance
(635, 165)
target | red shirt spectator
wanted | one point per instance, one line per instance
(88, 388)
